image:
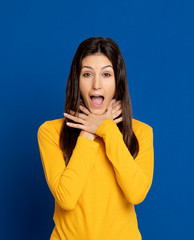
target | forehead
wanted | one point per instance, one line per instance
(96, 60)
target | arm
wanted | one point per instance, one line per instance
(133, 176)
(65, 182)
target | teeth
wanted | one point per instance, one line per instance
(97, 96)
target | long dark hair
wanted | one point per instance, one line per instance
(110, 49)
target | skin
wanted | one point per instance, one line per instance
(96, 78)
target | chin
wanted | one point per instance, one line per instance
(97, 111)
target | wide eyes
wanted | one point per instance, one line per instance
(106, 74)
(89, 74)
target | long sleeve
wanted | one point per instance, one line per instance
(133, 176)
(65, 182)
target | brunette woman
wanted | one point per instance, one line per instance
(98, 161)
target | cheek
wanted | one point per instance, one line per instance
(83, 93)
(112, 90)
(82, 89)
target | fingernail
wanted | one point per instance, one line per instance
(65, 114)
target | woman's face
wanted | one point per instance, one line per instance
(97, 82)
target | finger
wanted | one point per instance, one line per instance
(73, 118)
(110, 107)
(74, 125)
(116, 108)
(80, 115)
(115, 115)
(118, 102)
(84, 110)
(118, 120)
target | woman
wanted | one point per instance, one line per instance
(98, 161)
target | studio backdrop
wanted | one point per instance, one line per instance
(38, 41)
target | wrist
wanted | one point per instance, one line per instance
(87, 135)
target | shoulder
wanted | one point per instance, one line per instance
(138, 125)
(141, 129)
(52, 126)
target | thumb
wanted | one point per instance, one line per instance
(113, 102)
(111, 105)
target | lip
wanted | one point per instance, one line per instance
(95, 104)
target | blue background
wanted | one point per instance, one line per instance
(38, 41)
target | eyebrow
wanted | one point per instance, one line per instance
(101, 68)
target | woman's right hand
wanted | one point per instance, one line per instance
(89, 122)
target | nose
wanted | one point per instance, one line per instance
(96, 82)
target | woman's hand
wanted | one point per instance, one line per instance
(90, 122)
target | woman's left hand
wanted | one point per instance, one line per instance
(90, 122)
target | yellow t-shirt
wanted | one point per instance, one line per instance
(96, 192)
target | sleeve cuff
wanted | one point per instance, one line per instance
(107, 125)
(87, 142)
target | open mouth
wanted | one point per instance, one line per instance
(97, 100)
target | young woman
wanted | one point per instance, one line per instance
(98, 161)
